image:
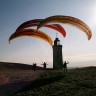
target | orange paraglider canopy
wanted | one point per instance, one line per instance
(32, 33)
(59, 19)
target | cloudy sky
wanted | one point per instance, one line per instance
(76, 47)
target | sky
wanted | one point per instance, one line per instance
(77, 49)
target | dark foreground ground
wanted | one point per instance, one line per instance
(76, 82)
(12, 80)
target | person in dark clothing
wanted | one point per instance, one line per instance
(44, 65)
(34, 66)
(65, 66)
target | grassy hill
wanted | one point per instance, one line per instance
(10, 65)
(14, 76)
(76, 82)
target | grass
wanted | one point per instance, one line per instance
(76, 82)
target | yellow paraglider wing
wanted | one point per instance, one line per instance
(66, 20)
(32, 33)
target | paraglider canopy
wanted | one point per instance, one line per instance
(35, 22)
(32, 33)
(60, 19)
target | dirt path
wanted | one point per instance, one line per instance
(13, 80)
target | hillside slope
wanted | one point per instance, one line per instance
(76, 82)
(14, 76)
(10, 65)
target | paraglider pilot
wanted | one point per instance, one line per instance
(65, 66)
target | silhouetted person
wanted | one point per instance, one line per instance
(65, 66)
(34, 66)
(44, 65)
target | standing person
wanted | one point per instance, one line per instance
(34, 66)
(65, 66)
(44, 65)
